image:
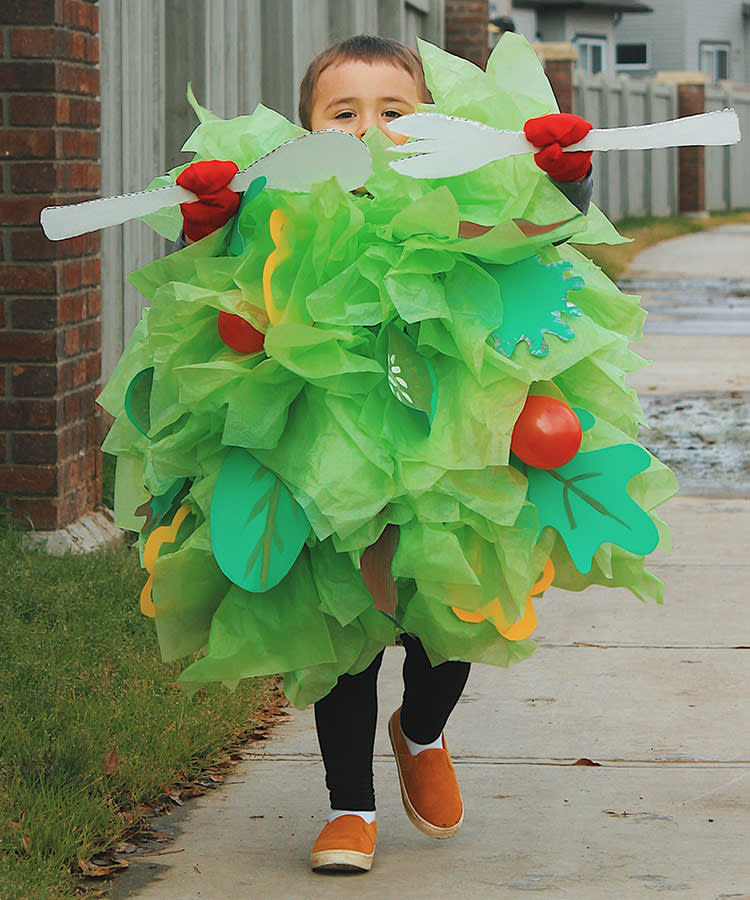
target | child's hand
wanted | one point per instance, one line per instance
(216, 203)
(553, 132)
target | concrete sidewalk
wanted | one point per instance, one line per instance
(655, 696)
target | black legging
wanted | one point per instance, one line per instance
(345, 719)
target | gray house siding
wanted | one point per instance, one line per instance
(662, 33)
(561, 25)
(554, 25)
(675, 29)
(710, 21)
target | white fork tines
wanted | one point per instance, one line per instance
(294, 166)
(447, 146)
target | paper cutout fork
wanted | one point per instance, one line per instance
(294, 166)
(447, 145)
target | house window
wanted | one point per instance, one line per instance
(714, 59)
(592, 53)
(631, 56)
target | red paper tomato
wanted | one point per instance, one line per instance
(547, 434)
(238, 334)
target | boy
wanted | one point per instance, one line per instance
(356, 84)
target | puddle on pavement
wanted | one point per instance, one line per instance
(708, 306)
(704, 438)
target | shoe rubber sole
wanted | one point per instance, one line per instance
(341, 861)
(433, 831)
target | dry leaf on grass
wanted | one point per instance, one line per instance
(193, 791)
(110, 761)
(102, 866)
(126, 848)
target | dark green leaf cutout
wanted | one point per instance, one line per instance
(236, 241)
(159, 505)
(138, 400)
(411, 377)
(257, 528)
(534, 295)
(587, 502)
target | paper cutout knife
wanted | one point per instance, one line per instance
(294, 166)
(447, 145)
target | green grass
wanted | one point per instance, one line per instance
(614, 260)
(80, 675)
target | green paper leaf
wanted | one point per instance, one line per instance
(411, 377)
(534, 294)
(204, 114)
(587, 502)
(138, 400)
(159, 505)
(257, 527)
(516, 68)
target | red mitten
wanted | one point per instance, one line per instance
(216, 203)
(552, 133)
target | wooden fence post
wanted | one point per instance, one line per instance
(691, 161)
(50, 303)
(558, 60)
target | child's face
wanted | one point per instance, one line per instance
(354, 95)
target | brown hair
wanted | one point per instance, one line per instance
(367, 48)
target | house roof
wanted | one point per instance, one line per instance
(632, 6)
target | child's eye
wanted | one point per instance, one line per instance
(345, 115)
(392, 114)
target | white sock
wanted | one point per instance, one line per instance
(367, 814)
(415, 748)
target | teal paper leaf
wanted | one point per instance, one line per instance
(534, 296)
(587, 502)
(411, 377)
(257, 528)
(584, 417)
(138, 400)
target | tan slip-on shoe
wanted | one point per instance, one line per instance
(429, 788)
(345, 845)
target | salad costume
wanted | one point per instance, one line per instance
(396, 359)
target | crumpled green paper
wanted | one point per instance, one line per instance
(316, 410)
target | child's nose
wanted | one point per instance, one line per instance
(365, 122)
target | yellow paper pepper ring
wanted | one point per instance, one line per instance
(164, 534)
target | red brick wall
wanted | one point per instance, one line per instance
(466, 29)
(50, 292)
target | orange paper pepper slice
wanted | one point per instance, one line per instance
(511, 631)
